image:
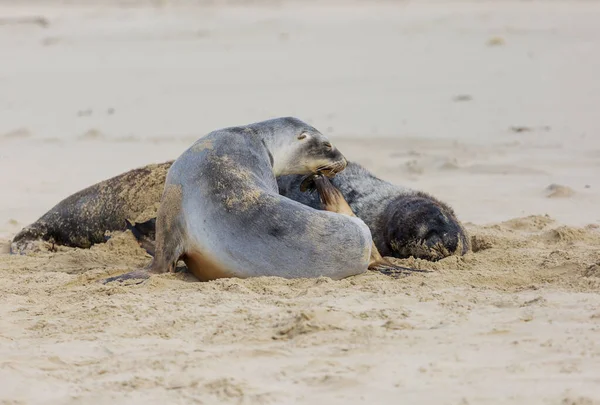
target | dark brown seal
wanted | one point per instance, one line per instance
(83, 219)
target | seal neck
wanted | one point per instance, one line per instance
(278, 149)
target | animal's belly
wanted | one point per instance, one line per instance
(205, 267)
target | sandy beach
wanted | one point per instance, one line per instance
(489, 106)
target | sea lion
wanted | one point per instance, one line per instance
(222, 214)
(403, 222)
(83, 219)
(333, 200)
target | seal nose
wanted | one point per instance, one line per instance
(451, 239)
(338, 166)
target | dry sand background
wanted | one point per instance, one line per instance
(483, 104)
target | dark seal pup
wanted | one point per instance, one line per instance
(403, 222)
(333, 200)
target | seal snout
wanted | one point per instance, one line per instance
(422, 227)
(331, 169)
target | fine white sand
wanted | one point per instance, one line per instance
(490, 106)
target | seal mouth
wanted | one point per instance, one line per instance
(308, 182)
(332, 169)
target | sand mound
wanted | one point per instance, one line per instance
(507, 256)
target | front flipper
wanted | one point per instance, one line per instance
(384, 266)
(138, 275)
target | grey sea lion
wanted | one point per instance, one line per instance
(403, 222)
(222, 214)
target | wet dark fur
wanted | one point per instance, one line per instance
(403, 222)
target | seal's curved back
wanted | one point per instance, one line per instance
(222, 214)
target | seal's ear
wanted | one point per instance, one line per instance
(303, 135)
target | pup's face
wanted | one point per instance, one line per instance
(421, 227)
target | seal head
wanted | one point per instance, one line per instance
(421, 226)
(298, 148)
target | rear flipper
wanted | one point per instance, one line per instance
(384, 266)
(145, 234)
(168, 234)
(138, 275)
(333, 200)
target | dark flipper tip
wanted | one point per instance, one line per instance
(139, 275)
(396, 271)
